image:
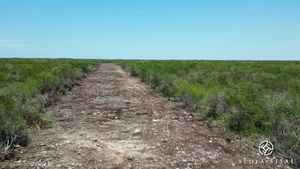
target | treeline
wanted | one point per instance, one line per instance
(26, 88)
(250, 98)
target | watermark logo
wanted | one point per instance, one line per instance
(266, 148)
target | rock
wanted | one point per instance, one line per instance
(17, 146)
(136, 131)
(127, 101)
(130, 157)
(171, 98)
(190, 165)
(155, 120)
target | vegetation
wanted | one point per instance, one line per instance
(26, 88)
(250, 98)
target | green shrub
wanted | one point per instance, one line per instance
(22, 85)
(248, 97)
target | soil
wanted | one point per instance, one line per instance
(112, 120)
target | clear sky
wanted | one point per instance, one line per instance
(151, 29)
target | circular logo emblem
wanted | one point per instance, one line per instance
(266, 148)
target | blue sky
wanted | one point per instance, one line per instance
(151, 29)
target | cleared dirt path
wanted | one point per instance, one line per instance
(113, 120)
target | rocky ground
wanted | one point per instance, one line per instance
(112, 120)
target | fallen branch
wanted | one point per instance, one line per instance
(10, 142)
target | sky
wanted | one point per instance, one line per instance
(151, 29)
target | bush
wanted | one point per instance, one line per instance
(248, 97)
(22, 85)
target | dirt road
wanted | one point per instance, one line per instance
(113, 120)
